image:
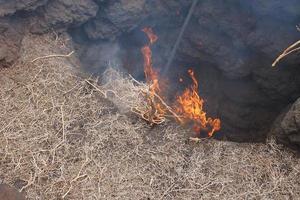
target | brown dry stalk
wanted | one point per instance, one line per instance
(104, 93)
(168, 107)
(78, 176)
(292, 48)
(149, 114)
(160, 99)
(96, 88)
(53, 56)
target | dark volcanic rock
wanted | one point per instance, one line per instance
(101, 28)
(100, 1)
(115, 18)
(8, 7)
(62, 14)
(271, 37)
(126, 14)
(9, 193)
(217, 48)
(232, 35)
(11, 35)
(287, 127)
(217, 35)
(281, 84)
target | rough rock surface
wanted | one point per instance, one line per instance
(11, 34)
(62, 14)
(115, 18)
(232, 40)
(286, 128)
(101, 28)
(56, 14)
(8, 7)
(9, 193)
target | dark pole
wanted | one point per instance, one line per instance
(186, 21)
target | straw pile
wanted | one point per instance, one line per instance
(60, 138)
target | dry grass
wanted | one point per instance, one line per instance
(60, 138)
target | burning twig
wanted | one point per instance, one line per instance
(154, 111)
(53, 56)
(152, 101)
(168, 108)
(149, 115)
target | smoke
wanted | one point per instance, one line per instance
(97, 56)
(224, 42)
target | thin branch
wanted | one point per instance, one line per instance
(91, 84)
(160, 99)
(78, 176)
(63, 122)
(292, 48)
(53, 56)
(168, 107)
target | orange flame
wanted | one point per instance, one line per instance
(190, 106)
(151, 35)
(151, 74)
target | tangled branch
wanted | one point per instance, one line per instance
(53, 56)
(151, 113)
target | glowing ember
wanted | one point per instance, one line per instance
(190, 107)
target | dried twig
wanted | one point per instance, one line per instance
(78, 176)
(292, 48)
(170, 110)
(152, 118)
(104, 93)
(63, 122)
(168, 107)
(151, 114)
(53, 56)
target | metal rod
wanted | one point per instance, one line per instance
(186, 21)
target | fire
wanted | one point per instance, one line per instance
(150, 73)
(190, 107)
(151, 35)
(152, 77)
